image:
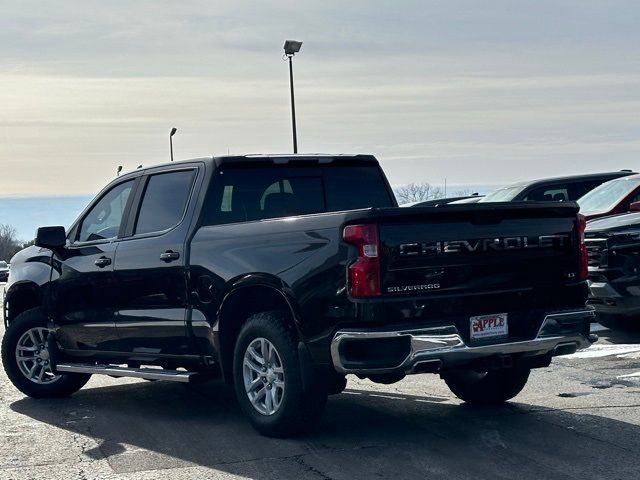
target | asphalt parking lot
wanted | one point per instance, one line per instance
(580, 418)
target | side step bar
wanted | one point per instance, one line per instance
(115, 371)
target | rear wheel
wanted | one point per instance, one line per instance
(268, 378)
(27, 359)
(486, 388)
(335, 384)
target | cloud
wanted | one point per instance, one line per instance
(473, 91)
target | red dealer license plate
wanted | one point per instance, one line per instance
(489, 326)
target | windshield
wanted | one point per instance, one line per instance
(502, 195)
(607, 195)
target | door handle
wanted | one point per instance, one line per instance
(169, 256)
(102, 262)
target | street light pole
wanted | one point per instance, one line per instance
(171, 134)
(291, 47)
(293, 106)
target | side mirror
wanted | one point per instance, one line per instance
(634, 207)
(53, 238)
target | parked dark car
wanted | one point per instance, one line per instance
(281, 276)
(4, 271)
(613, 246)
(558, 189)
(612, 198)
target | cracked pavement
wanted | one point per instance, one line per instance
(579, 418)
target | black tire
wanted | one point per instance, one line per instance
(336, 383)
(488, 388)
(299, 409)
(65, 385)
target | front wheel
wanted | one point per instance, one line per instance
(268, 378)
(486, 388)
(27, 360)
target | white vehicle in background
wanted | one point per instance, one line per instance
(4, 276)
(474, 199)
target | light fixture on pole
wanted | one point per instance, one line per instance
(171, 134)
(291, 47)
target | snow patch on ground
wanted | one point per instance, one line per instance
(596, 351)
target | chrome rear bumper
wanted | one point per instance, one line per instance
(433, 348)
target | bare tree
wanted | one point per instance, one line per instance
(9, 244)
(417, 192)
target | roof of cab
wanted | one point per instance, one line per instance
(319, 158)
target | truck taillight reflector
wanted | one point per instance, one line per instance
(583, 272)
(364, 273)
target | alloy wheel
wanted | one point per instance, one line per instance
(32, 356)
(263, 376)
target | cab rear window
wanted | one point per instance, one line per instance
(241, 194)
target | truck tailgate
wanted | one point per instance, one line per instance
(476, 248)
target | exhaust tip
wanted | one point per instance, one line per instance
(565, 349)
(429, 366)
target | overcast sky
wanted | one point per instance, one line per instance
(474, 91)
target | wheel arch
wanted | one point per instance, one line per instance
(240, 304)
(20, 297)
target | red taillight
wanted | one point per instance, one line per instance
(364, 273)
(583, 272)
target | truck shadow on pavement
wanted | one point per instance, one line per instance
(363, 434)
(621, 337)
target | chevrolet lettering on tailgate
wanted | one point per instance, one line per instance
(484, 245)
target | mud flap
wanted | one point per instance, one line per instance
(54, 352)
(309, 375)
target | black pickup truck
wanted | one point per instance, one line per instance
(283, 274)
(613, 247)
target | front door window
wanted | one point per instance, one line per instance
(104, 219)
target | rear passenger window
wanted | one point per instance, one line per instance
(164, 202)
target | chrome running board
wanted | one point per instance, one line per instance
(115, 371)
